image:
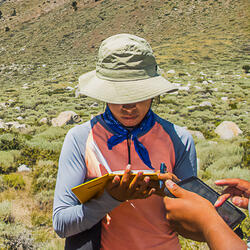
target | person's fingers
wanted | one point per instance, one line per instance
(125, 181)
(169, 176)
(238, 184)
(143, 191)
(233, 191)
(133, 184)
(168, 217)
(167, 202)
(151, 191)
(227, 182)
(175, 189)
(241, 202)
(116, 180)
(221, 199)
(144, 184)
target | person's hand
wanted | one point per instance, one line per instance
(163, 177)
(194, 217)
(129, 187)
(237, 189)
(188, 214)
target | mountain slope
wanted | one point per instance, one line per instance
(52, 33)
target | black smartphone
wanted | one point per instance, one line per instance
(230, 213)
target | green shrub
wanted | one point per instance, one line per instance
(30, 155)
(15, 236)
(192, 245)
(245, 225)
(235, 172)
(44, 235)
(246, 154)
(45, 144)
(5, 212)
(44, 176)
(10, 142)
(45, 199)
(2, 185)
(9, 161)
(39, 219)
(55, 244)
(14, 181)
(246, 68)
(223, 155)
(53, 133)
(48, 142)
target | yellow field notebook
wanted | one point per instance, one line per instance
(90, 189)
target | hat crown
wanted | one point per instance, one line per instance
(125, 57)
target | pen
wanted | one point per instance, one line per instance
(163, 169)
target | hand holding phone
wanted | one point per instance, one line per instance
(194, 217)
(230, 214)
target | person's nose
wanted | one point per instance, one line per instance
(129, 106)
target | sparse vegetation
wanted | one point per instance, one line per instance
(14, 181)
(203, 44)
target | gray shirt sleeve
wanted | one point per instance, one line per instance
(186, 159)
(69, 216)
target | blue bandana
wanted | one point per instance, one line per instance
(121, 133)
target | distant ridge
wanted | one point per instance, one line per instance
(52, 33)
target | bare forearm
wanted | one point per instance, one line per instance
(219, 236)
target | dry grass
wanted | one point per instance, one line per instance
(49, 45)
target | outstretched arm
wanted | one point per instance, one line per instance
(195, 218)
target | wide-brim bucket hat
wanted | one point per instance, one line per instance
(126, 72)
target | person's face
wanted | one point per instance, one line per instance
(130, 115)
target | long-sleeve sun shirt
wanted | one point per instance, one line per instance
(136, 224)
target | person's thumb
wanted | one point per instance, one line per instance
(174, 189)
(241, 202)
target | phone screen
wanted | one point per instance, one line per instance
(231, 214)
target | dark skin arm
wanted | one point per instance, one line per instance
(195, 218)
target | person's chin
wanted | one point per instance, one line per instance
(130, 121)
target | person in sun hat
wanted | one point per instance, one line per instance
(128, 135)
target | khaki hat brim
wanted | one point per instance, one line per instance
(125, 91)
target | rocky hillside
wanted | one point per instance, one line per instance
(40, 38)
(45, 45)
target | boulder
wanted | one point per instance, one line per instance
(69, 88)
(64, 118)
(205, 104)
(77, 92)
(192, 107)
(198, 87)
(205, 83)
(20, 127)
(197, 134)
(185, 88)
(44, 120)
(3, 105)
(2, 125)
(227, 130)
(25, 86)
(23, 168)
